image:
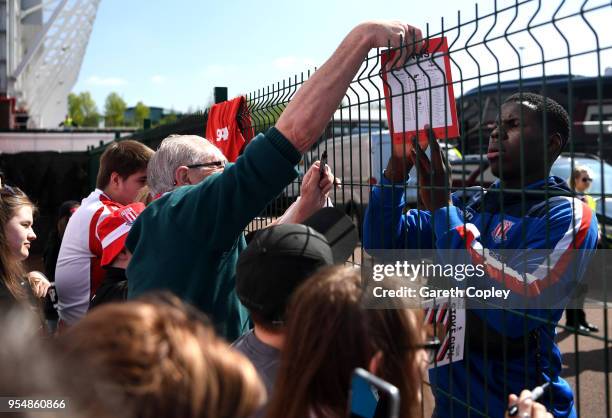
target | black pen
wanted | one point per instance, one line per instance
(323, 164)
(535, 394)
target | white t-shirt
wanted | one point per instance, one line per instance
(78, 272)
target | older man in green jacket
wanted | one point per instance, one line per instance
(188, 241)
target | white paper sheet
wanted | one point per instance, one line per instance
(416, 102)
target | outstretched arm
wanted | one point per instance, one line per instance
(314, 104)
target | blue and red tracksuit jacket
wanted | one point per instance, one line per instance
(505, 351)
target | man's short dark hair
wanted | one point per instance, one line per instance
(557, 117)
(124, 158)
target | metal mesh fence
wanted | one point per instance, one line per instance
(557, 50)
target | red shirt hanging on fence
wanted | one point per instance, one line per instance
(229, 127)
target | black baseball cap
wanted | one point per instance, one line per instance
(279, 258)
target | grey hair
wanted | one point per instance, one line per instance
(175, 151)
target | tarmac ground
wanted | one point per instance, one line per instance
(591, 357)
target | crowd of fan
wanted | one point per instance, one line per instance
(153, 287)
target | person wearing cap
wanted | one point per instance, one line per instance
(275, 263)
(188, 241)
(113, 231)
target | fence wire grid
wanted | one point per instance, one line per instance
(559, 50)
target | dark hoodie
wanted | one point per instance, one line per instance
(112, 289)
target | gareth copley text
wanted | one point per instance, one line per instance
(429, 293)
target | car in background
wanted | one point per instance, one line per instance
(601, 187)
(358, 160)
(346, 130)
(589, 102)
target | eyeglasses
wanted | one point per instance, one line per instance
(431, 347)
(586, 179)
(215, 164)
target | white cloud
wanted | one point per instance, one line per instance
(106, 81)
(158, 79)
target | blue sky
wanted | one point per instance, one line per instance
(172, 54)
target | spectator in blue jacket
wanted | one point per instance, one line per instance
(525, 210)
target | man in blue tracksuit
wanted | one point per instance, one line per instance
(527, 209)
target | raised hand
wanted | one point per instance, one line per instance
(433, 175)
(316, 188)
(400, 163)
(394, 34)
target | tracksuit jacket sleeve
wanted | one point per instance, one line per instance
(569, 225)
(386, 226)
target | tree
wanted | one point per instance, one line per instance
(114, 109)
(141, 112)
(169, 118)
(74, 109)
(82, 109)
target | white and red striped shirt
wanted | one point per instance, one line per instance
(78, 273)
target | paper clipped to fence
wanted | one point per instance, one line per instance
(421, 94)
(448, 323)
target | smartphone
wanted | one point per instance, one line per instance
(372, 397)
